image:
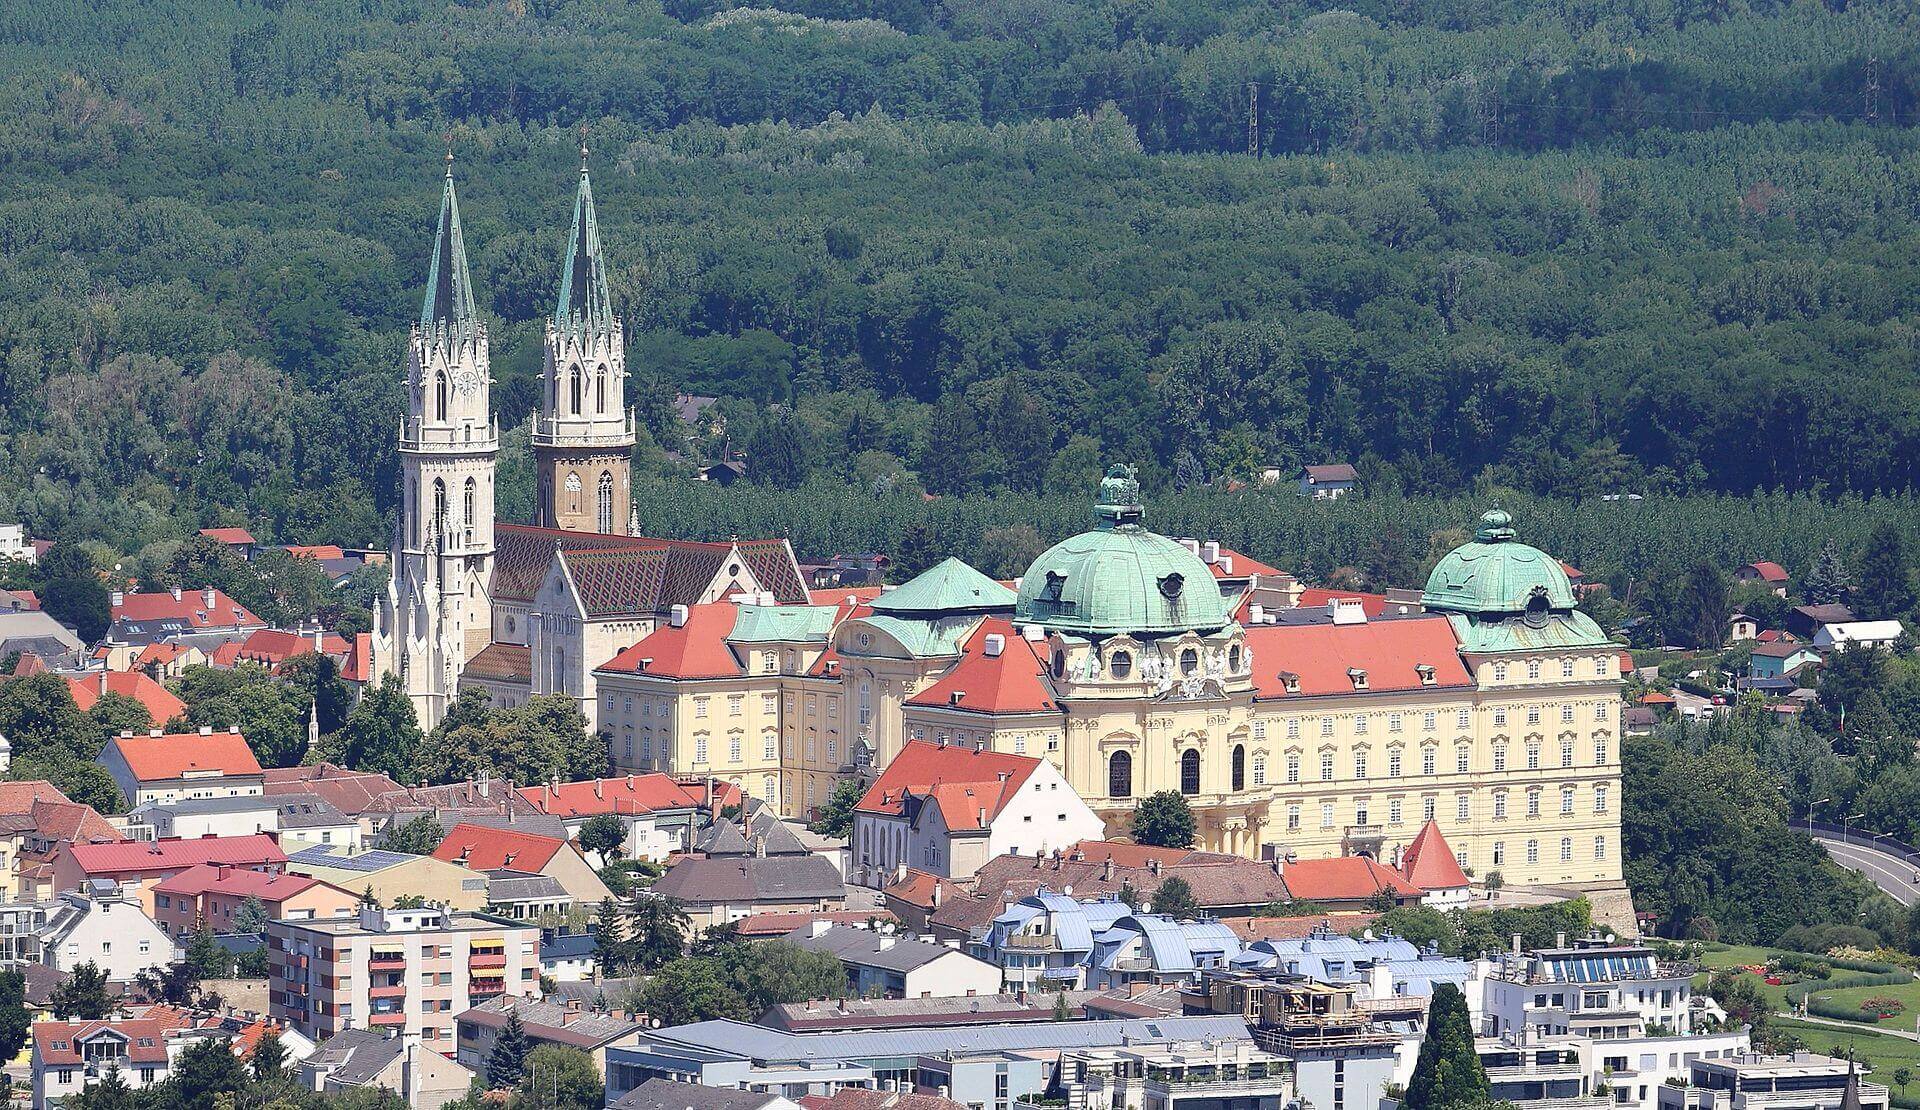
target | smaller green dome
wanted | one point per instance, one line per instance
(1496, 574)
(1120, 578)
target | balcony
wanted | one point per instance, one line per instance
(487, 959)
(1044, 942)
(585, 430)
(388, 1017)
(487, 987)
(393, 990)
(417, 435)
(388, 961)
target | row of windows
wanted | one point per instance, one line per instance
(1536, 669)
(1120, 765)
(1364, 813)
(1429, 720)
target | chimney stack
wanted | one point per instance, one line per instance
(207, 600)
(175, 592)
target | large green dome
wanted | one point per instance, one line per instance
(1496, 574)
(1120, 578)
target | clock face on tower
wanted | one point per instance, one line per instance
(466, 376)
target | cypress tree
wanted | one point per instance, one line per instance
(507, 1063)
(1448, 1073)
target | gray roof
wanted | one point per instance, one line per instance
(668, 1094)
(551, 1021)
(751, 879)
(518, 886)
(725, 838)
(867, 948)
(762, 1045)
(304, 811)
(188, 806)
(20, 631)
(356, 1055)
(333, 855)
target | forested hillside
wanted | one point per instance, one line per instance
(975, 248)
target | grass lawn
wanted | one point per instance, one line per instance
(1851, 998)
(1737, 955)
(1879, 1053)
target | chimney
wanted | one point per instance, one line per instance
(937, 888)
(234, 729)
(1347, 610)
(1516, 944)
(207, 600)
(175, 592)
(598, 789)
(1226, 564)
(1257, 613)
(103, 683)
(995, 644)
(1210, 552)
(116, 599)
(1560, 939)
(886, 941)
(1153, 865)
(1106, 870)
(677, 616)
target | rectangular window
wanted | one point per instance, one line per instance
(736, 704)
(1463, 807)
(1533, 803)
(1326, 815)
(1326, 766)
(833, 750)
(1499, 805)
(1393, 722)
(1393, 811)
(1566, 668)
(1393, 763)
(1533, 714)
(1566, 753)
(768, 663)
(1533, 757)
(769, 703)
(1293, 818)
(1566, 714)
(733, 749)
(1500, 718)
(1326, 726)
(1463, 719)
(1566, 801)
(1293, 728)
(770, 750)
(699, 749)
(1427, 806)
(1360, 767)
(1599, 799)
(1462, 756)
(1600, 712)
(1599, 847)
(699, 707)
(1259, 730)
(1293, 768)
(1428, 757)
(1499, 757)
(1533, 851)
(1600, 752)
(1360, 810)
(1360, 725)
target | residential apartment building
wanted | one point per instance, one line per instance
(1799, 1081)
(137, 865)
(1594, 988)
(886, 965)
(167, 767)
(107, 928)
(405, 971)
(1176, 1076)
(393, 875)
(568, 1024)
(213, 895)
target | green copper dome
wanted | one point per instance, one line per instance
(1120, 578)
(1496, 573)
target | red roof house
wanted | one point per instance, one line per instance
(164, 767)
(1346, 882)
(1302, 660)
(144, 618)
(160, 705)
(629, 794)
(999, 672)
(1429, 863)
(489, 849)
(143, 863)
(232, 537)
(214, 892)
(692, 648)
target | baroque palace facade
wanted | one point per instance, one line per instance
(1133, 662)
(1135, 665)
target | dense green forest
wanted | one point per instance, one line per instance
(1571, 249)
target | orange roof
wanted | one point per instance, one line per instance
(273, 646)
(1253, 929)
(161, 705)
(1626, 660)
(480, 848)
(18, 797)
(1769, 572)
(358, 665)
(58, 819)
(696, 649)
(916, 888)
(189, 606)
(628, 794)
(241, 882)
(1373, 605)
(315, 551)
(28, 601)
(779, 924)
(29, 665)
(172, 755)
(1429, 863)
(1321, 656)
(1243, 566)
(228, 535)
(159, 654)
(964, 782)
(1011, 679)
(1655, 697)
(839, 595)
(1138, 855)
(1343, 879)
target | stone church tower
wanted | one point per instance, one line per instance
(583, 433)
(437, 614)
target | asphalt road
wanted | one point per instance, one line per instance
(1888, 872)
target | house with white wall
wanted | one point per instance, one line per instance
(106, 927)
(947, 809)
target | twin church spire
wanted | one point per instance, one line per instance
(449, 300)
(585, 302)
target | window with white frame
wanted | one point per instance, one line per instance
(1360, 725)
(1463, 718)
(1393, 763)
(1600, 799)
(1429, 757)
(1566, 751)
(699, 749)
(1326, 815)
(1393, 722)
(1429, 721)
(1462, 759)
(1293, 728)
(1500, 717)
(1499, 853)
(1533, 714)
(1599, 847)
(1326, 766)
(1566, 668)
(1293, 767)
(1533, 851)
(1499, 757)
(1499, 805)
(1293, 817)
(1393, 811)
(1533, 801)
(1600, 750)
(1533, 757)
(1566, 801)
(1533, 669)
(1428, 805)
(1566, 849)
(1360, 765)
(1463, 807)
(1326, 726)
(1499, 672)
(1260, 768)
(1566, 714)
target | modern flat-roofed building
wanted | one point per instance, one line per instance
(399, 971)
(1800, 1081)
(1193, 1076)
(1592, 988)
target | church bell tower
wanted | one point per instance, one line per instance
(583, 433)
(437, 615)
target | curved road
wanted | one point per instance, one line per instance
(1889, 872)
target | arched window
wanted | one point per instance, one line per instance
(573, 491)
(1120, 775)
(1233, 659)
(440, 394)
(579, 377)
(1190, 771)
(603, 502)
(472, 507)
(600, 393)
(413, 517)
(1239, 767)
(439, 507)
(1189, 661)
(1120, 664)
(1059, 664)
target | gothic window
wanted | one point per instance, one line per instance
(440, 394)
(413, 517)
(579, 379)
(1190, 771)
(573, 492)
(600, 393)
(603, 502)
(440, 507)
(1120, 775)
(1239, 767)
(472, 508)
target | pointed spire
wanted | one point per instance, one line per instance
(449, 299)
(584, 299)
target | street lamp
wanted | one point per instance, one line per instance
(1845, 823)
(1811, 806)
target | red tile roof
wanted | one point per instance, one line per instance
(160, 705)
(59, 819)
(29, 665)
(172, 755)
(634, 574)
(1769, 572)
(760, 926)
(315, 551)
(58, 1042)
(358, 665)
(916, 888)
(1241, 566)
(1296, 928)
(1343, 879)
(1387, 650)
(18, 797)
(1655, 697)
(228, 535)
(696, 649)
(1574, 574)
(350, 792)
(272, 646)
(839, 595)
(965, 782)
(480, 848)
(159, 654)
(1430, 864)
(176, 854)
(629, 794)
(1124, 854)
(241, 882)
(191, 607)
(1013, 680)
(29, 602)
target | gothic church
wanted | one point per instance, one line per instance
(520, 610)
